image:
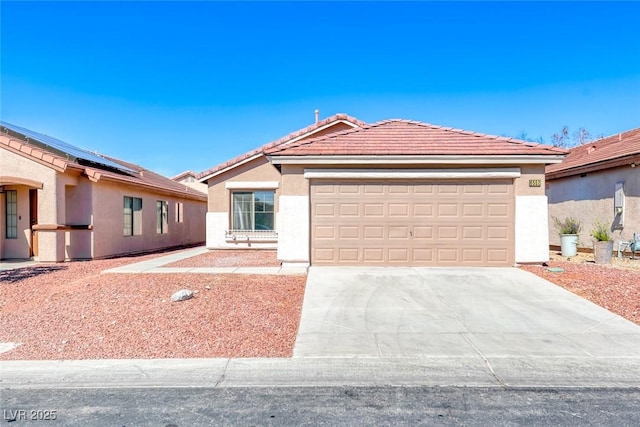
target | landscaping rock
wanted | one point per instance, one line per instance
(182, 295)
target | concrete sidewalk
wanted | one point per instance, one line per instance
(156, 265)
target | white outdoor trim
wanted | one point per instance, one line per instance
(251, 185)
(531, 229)
(321, 128)
(408, 160)
(292, 223)
(484, 173)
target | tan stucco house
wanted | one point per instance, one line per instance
(598, 182)
(59, 202)
(391, 193)
(190, 178)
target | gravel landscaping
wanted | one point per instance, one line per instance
(230, 258)
(71, 311)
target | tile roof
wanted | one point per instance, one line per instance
(336, 118)
(598, 154)
(407, 137)
(184, 174)
(136, 175)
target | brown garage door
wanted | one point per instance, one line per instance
(444, 223)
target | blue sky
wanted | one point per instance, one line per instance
(186, 85)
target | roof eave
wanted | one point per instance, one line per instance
(260, 151)
(187, 194)
(416, 159)
(594, 167)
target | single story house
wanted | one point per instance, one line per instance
(391, 193)
(598, 182)
(59, 202)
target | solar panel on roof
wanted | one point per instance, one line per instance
(64, 148)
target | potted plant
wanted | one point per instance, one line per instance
(568, 228)
(603, 245)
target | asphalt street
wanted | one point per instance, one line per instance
(321, 406)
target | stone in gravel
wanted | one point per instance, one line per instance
(182, 295)
(555, 269)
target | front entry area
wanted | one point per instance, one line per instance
(18, 214)
(412, 223)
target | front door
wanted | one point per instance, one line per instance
(33, 220)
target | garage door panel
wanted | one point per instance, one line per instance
(399, 189)
(371, 232)
(423, 256)
(472, 255)
(473, 210)
(497, 233)
(498, 210)
(423, 210)
(422, 232)
(447, 233)
(373, 210)
(497, 255)
(398, 255)
(349, 209)
(398, 232)
(399, 210)
(349, 189)
(447, 255)
(325, 209)
(473, 232)
(445, 223)
(473, 189)
(423, 189)
(448, 210)
(348, 254)
(499, 189)
(376, 255)
(324, 232)
(348, 232)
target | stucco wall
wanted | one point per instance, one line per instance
(219, 201)
(14, 165)
(590, 199)
(108, 221)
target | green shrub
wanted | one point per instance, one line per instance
(600, 232)
(568, 225)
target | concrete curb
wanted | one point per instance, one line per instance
(308, 372)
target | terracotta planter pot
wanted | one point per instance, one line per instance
(602, 252)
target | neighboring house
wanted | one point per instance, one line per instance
(190, 178)
(58, 202)
(598, 181)
(392, 193)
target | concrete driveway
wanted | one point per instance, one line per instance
(447, 312)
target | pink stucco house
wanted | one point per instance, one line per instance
(58, 202)
(598, 181)
(391, 193)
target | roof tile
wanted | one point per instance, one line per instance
(147, 178)
(281, 141)
(618, 146)
(407, 137)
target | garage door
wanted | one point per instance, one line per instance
(444, 223)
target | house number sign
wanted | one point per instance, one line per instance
(535, 183)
